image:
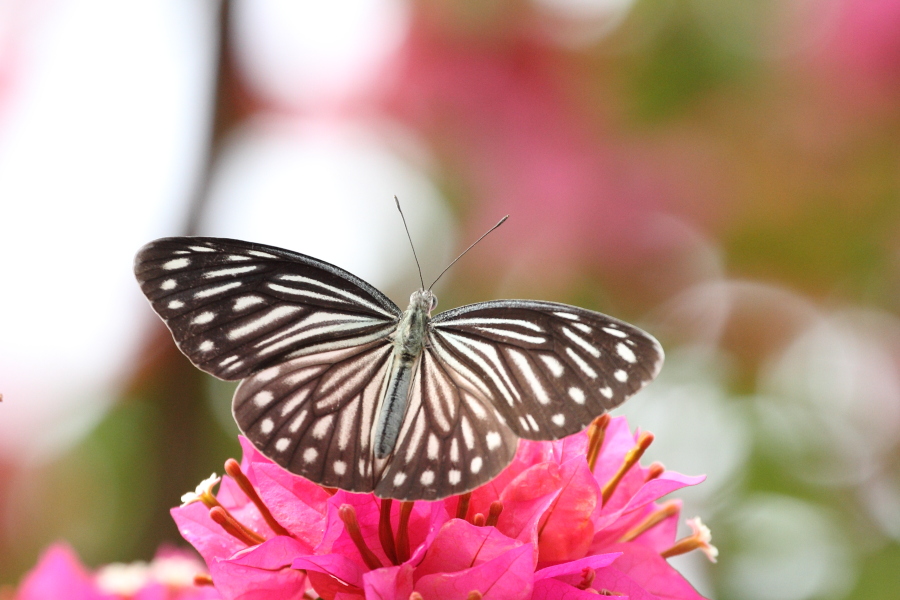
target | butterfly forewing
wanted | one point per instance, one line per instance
(235, 307)
(549, 368)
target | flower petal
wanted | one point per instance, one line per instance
(506, 577)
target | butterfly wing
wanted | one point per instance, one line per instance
(236, 307)
(549, 368)
(313, 414)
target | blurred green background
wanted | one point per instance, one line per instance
(723, 173)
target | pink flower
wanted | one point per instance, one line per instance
(564, 517)
(172, 575)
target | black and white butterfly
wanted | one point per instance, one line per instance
(342, 387)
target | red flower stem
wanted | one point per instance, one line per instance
(348, 515)
(494, 514)
(234, 528)
(596, 433)
(385, 534)
(233, 468)
(402, 545)
(474, 595)
(631, 457)
(202, 579)
(667, 510)
(462, 506)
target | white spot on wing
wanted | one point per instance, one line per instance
(340, 467)
(621, 375)
(534, 425)
(580, 341)
(468, 436)
(206, 346)
(626, 352)
(267, 426)
(273, 316)
(554, 365)
(566, 315)
(434, 447)
(615, 332)
(322, 427)
(585, 368)
(263, 398)
(454, 450)
(177, 263)
(282, 444)
(202, 249)
(606, 391)
(176, 304)
(298, 421)
(399, 478)
(528, 373)
(582, 327)
(454, 476)
(493, 440)
(229, 272)
(246, 302)
(168, 284)
(203, 318)
(310, 454)
(217, 290)
(427, 478)
(476, 464)
(559, 419)
(576, 394)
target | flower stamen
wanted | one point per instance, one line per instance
(233, 468)
(655, 470)
(416, 596)
(402, 545)
(587, 578)
(203, 493)
(475, 595)
(478, 520)
(494, 513)
(667, 510)
(234, 528)
(385, 534)
(462, 506)
(698, 540)
(596, 433)
(631, 457)
(202, 579)
(348, 515)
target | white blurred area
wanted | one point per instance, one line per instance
(103, 127)
(103, 137)
(317, 55)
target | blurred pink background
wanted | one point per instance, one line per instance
(722, 173)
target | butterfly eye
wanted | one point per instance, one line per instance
(433, 303)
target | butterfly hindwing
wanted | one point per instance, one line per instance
(549, 368)
(452, 440)
(311, 414)
(235, 307)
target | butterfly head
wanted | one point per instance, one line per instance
(424, 300)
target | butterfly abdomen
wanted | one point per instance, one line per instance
(409, 341)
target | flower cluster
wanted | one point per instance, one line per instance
(567, 519)
(172, 575)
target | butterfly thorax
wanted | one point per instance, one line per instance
(409, 342)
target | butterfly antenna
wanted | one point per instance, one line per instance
(499, 223)
(411, 245)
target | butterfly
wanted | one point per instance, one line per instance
(341, 386)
